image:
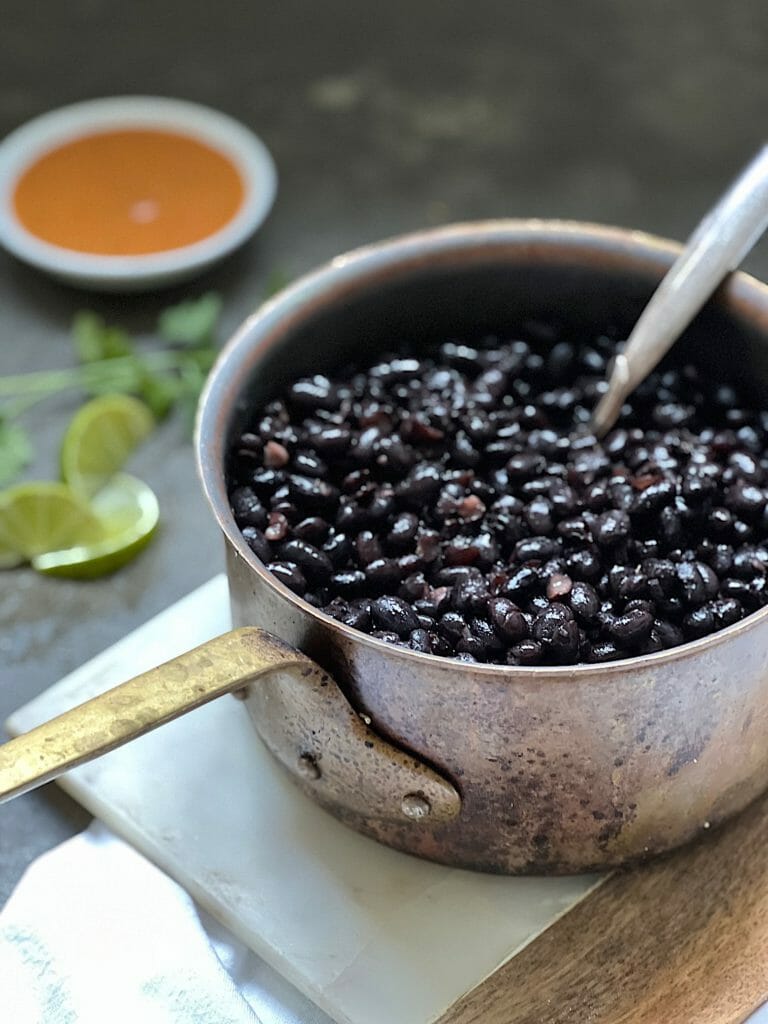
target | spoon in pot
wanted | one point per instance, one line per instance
(717, 246)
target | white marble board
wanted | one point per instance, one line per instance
(371, 935)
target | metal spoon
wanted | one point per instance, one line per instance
(717, 246)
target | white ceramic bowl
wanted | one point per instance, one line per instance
(28, 143)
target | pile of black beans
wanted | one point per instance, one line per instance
(457, 504)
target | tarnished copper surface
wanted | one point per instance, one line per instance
(308, 723)
(559, 769)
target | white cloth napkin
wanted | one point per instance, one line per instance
(94, 933)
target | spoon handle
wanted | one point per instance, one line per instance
(716, 247)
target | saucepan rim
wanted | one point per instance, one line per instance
(357, 269)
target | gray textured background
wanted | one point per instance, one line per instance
(381, 118)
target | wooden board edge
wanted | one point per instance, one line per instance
(683, 940)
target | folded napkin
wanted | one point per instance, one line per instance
(94, 933)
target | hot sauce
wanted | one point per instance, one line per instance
(128, 192)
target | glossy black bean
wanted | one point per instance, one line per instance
(314, 563)
(745, 499)
(392, 613)
(611, 527)
(419, 641)
(289, 574)
(348, 582)
(258, 543)
(631, 629)
(310, 492)
(527, 652)
(584, 565)
(507, 619)
(404, 530)
(309, 464)
(247, 509)
(470, 596)
(383, 574)
(584, 602)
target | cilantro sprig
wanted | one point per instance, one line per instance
(167, 376)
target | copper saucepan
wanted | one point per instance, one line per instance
(539, 770)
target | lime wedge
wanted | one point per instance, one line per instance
(99, 440)
(9, 559)
(129, 514)
(39, 517)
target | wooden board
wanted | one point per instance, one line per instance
(681, 941)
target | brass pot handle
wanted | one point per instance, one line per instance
(312, 728)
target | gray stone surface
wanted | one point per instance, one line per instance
(382, 118)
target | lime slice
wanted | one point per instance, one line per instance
(39, 517)
(129, 514)
(9, 559)
(100, 438)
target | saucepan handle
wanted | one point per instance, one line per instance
(237, 662)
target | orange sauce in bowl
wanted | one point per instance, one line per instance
(128, 192)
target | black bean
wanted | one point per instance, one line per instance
(521, 582)
(392, 613)
(470, 595)
(525, 465)
(383, 574)
(584, 565)
(538, 514)
(308, 464)
(653, 498)
(414, 587)
(290, 574)
(247, 509)
(727, 611)
(584, 602)
(339, 548)
(309, 492)
(611, 527)
(419, 641)
(692, 583)
(550, 621)
(358, 616)
(603, 650)
(507, 619)
(452, 626)
(348, 581)
(258, 543)
(745, 499)
(330, 440)
(536, 549)
(668, 633)
(404, 530)
(312, 529)
(632, 628)
(422, 484)
(527, 652)
(699, 622)
(388, 636)
(315, 564)
(315, 393)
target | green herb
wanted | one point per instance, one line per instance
(15, 451)
(191, 323)
(94, 341)
(109, 361)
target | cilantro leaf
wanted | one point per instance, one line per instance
(94, 340)
(191, 323)
(15, 451)
(160, 392)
